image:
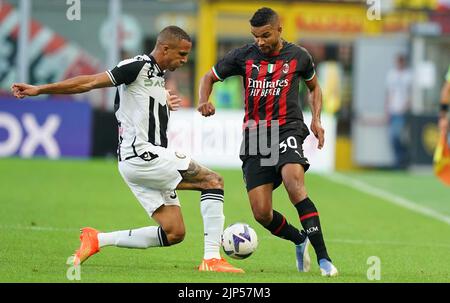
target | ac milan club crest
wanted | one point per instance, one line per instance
(285, 68)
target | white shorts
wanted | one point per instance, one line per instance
(153, 182)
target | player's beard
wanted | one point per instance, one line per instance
(269, 49)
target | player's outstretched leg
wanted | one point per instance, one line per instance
(92, 240)
(171, 231)
(261, 202)
(197, 177)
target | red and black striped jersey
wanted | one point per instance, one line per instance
(271, 82)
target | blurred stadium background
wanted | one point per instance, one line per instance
(354, 45)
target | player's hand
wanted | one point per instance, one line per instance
(319, 132)
(443, 124)
(22, 90)
(173, 101)
(206, 109)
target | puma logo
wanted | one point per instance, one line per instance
(256, 66)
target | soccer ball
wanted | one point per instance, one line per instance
(239, 240)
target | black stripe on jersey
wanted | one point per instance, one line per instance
(163, 120)
(154, 64)
(151, 121)
(276, 101)
(119, 154)
(126, 73)
(117, 101)
(254, 72)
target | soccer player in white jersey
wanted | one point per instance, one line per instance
(152, 171)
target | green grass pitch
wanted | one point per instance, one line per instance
(43, 204)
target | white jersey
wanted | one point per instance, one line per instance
(141, 106)
(399, 90)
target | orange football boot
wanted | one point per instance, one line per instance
(88, 247)
(218, 265)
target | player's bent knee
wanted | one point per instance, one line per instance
(175, 237)
(263, 217)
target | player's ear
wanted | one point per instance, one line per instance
(165, 49)
(280, 29)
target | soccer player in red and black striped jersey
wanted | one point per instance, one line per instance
(272, 69)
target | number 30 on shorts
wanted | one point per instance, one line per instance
(290, 142)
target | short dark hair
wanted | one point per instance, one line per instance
(173, 32)
(263, 16)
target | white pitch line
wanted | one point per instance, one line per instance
(38, 228)
(387, 196)
(393, 243)
(266, 237)
(373, 242)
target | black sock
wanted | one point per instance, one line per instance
(281, 228)
(309, 218)
(162, 237)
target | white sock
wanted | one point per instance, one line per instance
(150, 236)
(211, 207)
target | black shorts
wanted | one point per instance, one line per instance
(291, 151)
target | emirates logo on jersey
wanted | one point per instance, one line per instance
(266, 88)
(266, 84)
(285, 68)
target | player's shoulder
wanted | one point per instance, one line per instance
(297, 48)
(136, 59)
(244, 50)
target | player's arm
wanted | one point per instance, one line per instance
(315, 102)
(205, 107)
(226, 67)
(74, 85)
(173, 101)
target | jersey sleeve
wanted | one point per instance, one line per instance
(307, 68)
(125, 72)
(227, 66)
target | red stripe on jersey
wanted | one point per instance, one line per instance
(284, 92)
(263, 66)
(248, 74)
(270, 98)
